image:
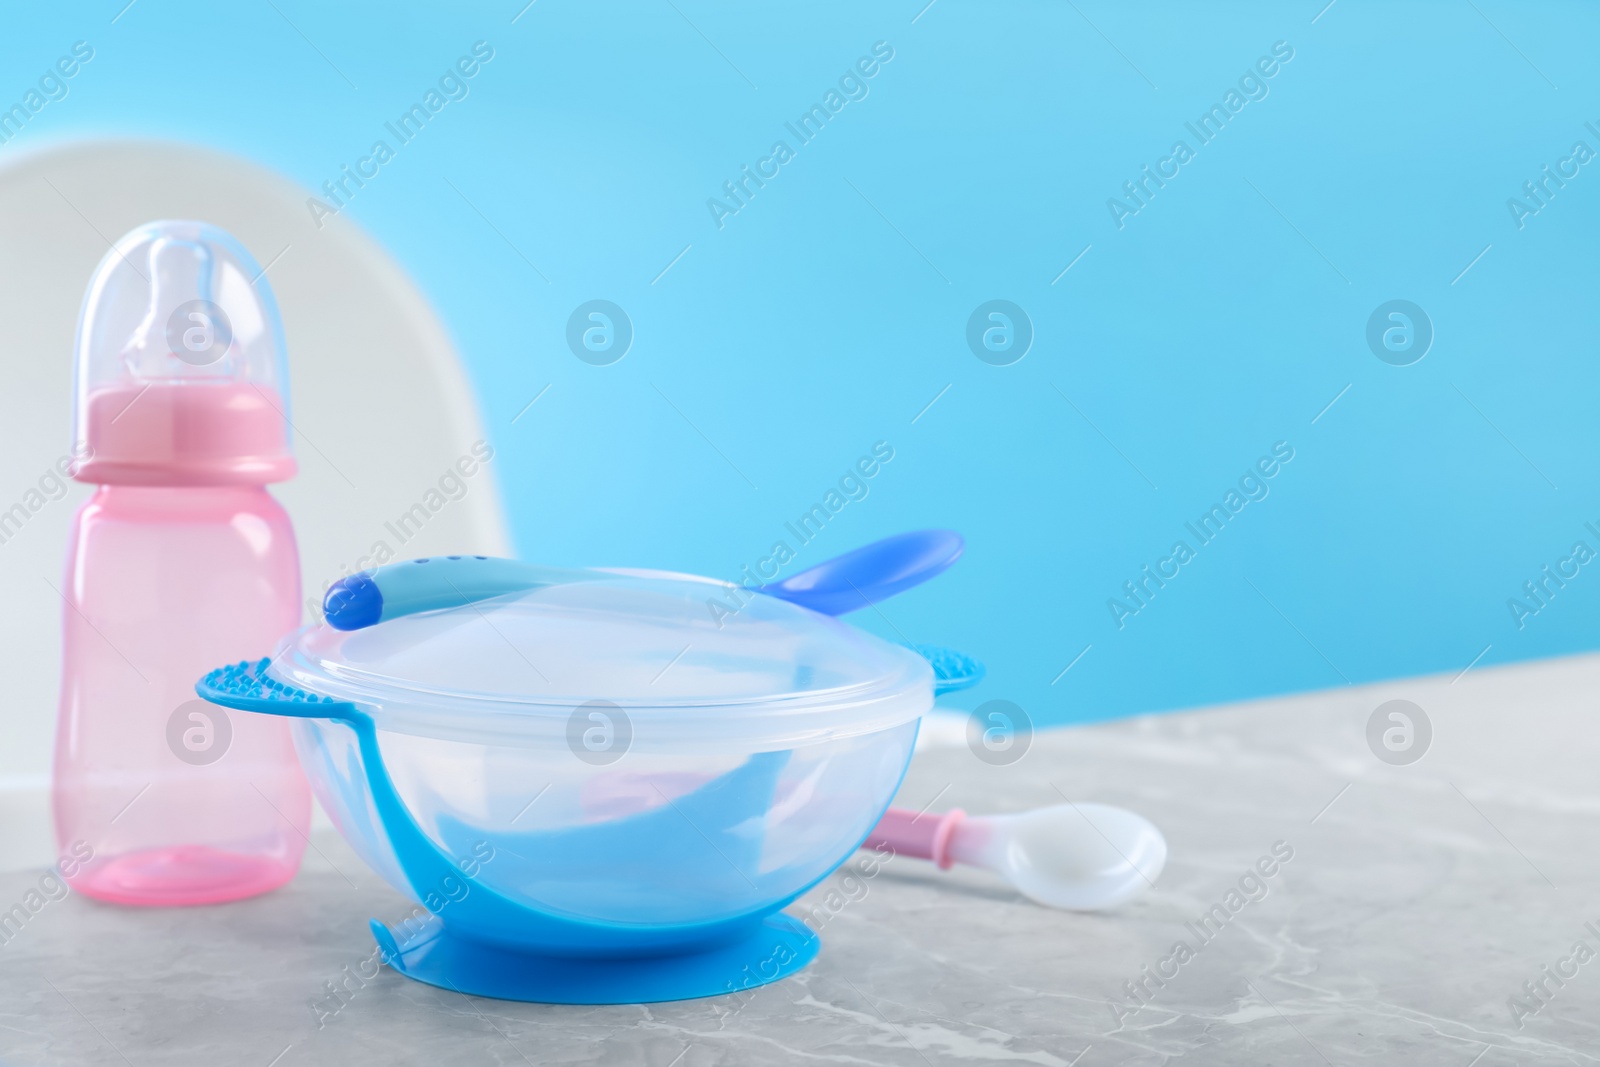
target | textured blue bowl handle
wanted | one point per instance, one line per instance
(247, 687)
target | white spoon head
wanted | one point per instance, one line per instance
(1081, 857)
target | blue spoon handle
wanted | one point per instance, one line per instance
(865, 576)
(388, 592)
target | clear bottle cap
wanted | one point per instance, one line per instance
(181, 373)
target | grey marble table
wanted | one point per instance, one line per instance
(1417, 902)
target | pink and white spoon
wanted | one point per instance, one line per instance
(1081, 857)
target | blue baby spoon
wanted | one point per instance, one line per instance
(843, 584)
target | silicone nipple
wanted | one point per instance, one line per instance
(183, 320)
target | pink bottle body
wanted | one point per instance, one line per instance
(177, 801)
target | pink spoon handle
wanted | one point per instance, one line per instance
(918, 834)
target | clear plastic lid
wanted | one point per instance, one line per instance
(181, 374)
(527, 666)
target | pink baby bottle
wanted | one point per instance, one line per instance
(181, 560)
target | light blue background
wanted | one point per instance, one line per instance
(1222, 319)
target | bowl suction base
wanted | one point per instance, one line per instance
(780, 946)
